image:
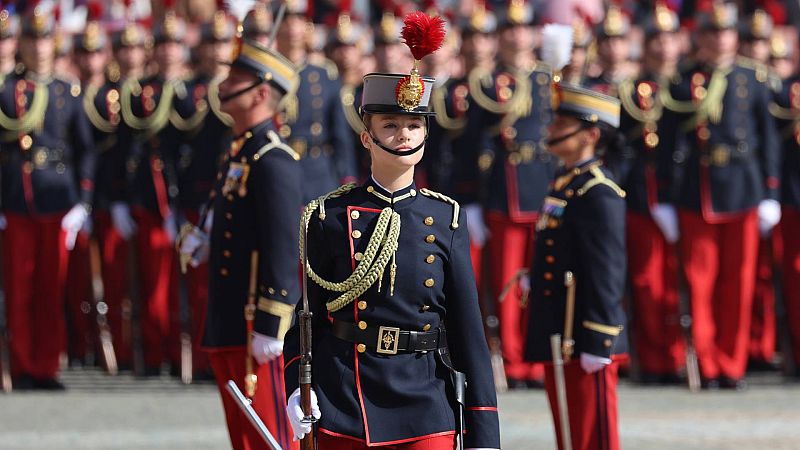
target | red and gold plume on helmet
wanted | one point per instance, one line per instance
(423, 34)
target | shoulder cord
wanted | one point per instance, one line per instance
(366, 273)
(31, 119)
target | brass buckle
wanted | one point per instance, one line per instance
(388, 338)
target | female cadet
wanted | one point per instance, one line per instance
(391, 287)
(580, 260)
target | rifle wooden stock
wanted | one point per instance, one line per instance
(685, 304)
(569, 316)
(309, 440)
(101, 308)
(561, 391)
(5, 360)
(250, 378)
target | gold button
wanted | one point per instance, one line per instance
(429, 282)
(426, 307)
(703, 133)
(356, 234)
(549, 242)
(284, 292)
(700, 92)
(426, 327)
(354, 215)
(362, 325)
(226, 253)
(548, 276)
(361, 348)
(228, 216)
(223, 272)
(548, 292)
(358, 256)
(227, 234)
(429, 221)
(362, 305)
(271, 290)
(430, 259)
(550, 259)
(229, 197)
(430, 239)
(25, 142)
(607, 343)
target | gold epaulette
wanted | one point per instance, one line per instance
(275, 142)
(611, 330)
(331, 69)
(338, 192)
(761, 69)
(441, 197)
(348, 98)
(598, 179)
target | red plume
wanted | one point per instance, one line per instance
(169, 5)
(57, 14)
(95, 11)
(127, 3)
(423, 34)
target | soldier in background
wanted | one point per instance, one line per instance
(786, 110)
(575, 70)
(257, 24)
(754, 35)
(453, 160)
(91, 55)
(726, 192)
(9, 31)
(255, 205)
(613, 52)
(515, 104)
(157, 111)
(47, 183)
(312, 119)
(653, 266)
(197, 162)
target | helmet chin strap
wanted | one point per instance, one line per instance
(563, 138)
(401, 152)
(239, 92)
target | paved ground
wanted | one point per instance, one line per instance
(100, 412)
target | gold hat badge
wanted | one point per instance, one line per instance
(423, 34)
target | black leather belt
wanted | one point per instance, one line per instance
(390, 340)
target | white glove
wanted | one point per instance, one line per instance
(769, 214)
(265, 348)
(593, 363)
(72, 223)
(666, 218)
(295, 413)
(3, 222)
(122, 220)
(195, 244)
(170, 228)
(478, 232)
(209, 222)
(525, 284)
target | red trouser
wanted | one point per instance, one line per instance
(35, 269)
(196, 282)
(79, 300)
(762, 324)
(790, 227)
(591, 404)
(269, 401)
(653, 268)
(114, 257)
(511, 249)
(329, 442)
(157, 289)
(719, 261)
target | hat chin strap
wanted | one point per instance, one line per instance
(239, 92)
(563, 138)
(399, 152)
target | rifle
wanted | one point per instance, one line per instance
(131, 309)
(309, 441)
(250, 378)
(247, 409)
(101, 308)
(5, 369)
(692, 366)
(556, 347)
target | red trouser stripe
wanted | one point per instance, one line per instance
(269, 401)
(653, 270)
(34, 265)
(511, 249)
(591, 404)
(719, 262)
